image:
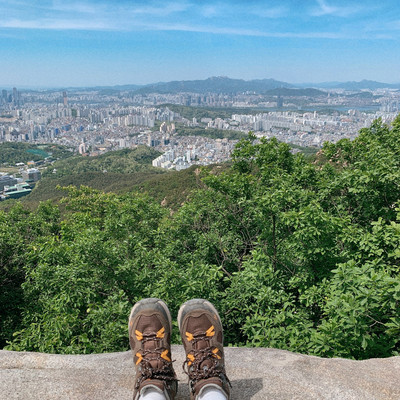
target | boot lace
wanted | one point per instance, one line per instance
(165, 373)
(195, 370)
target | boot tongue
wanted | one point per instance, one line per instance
(197, 325)
(151, 325)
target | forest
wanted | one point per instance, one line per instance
(296, 253)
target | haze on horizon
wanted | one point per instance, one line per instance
(87, 43)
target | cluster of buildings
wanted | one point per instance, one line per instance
(378, 99)
(309, 128)
(14, 188)
(93, 122)
(181, 154)
(12, 97)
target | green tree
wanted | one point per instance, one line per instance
(296, 255)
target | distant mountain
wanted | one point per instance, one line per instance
(115, 88)
(365, 84)
(217, 84)
(221, 84)
(363, 95)
(120, 87)
(352, 85)
(225, 85)
(296, 92)
(321, 85)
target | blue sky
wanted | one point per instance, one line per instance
(96, 42)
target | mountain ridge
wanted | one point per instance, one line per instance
(215, 84)
(225, 85)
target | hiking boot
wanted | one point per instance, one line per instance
(202, 336)
(149, 336)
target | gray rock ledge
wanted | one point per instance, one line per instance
(255, 374)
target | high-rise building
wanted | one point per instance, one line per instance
(7, 180)
(31, 175)
(82, 148)
(65, 99)
(15, 96)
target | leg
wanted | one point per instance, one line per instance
(202, 336)
(149, 336)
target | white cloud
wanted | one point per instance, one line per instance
(176, 16)
(59, 24)
(210, 11)
(166, 9)
(251, 32)
(269, 12)
(127, 24)
(394, 25)
(77, 7)
(338, 11)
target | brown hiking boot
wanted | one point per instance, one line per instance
(202, 336)
(149, 336)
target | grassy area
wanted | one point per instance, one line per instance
(39, 152)
(9, 170)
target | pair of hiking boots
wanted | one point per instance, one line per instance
(201, 331)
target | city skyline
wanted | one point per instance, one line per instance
(88, 43)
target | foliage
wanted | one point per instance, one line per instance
(122, 161)
(296, 255)
(211, 133)
(12, 152)
(172, 188)
(307, 151)
(48, 188)
(207, 112)
(18, 230)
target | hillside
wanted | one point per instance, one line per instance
(120, 161)
(124, 171)
(50, 188)
(170, 187)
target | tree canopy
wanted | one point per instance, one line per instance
(295, 254)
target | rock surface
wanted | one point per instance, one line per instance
(255, 374)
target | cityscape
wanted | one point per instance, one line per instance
(92, 122)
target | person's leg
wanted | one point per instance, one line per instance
(149, 337)
(211, 393)
(202, 336)
(151, 393)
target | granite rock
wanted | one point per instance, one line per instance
(257, 373)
